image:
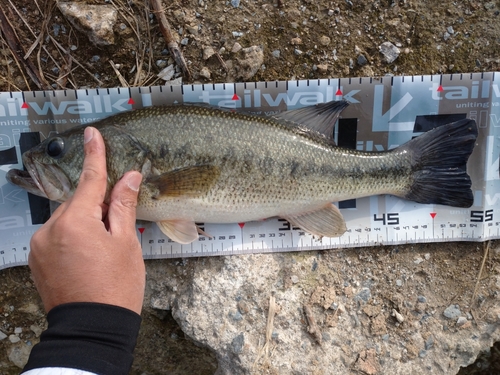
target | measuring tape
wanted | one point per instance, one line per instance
(383, 113)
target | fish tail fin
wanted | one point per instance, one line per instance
(439, 159)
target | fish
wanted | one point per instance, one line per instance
(204, 164)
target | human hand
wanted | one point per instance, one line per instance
(88, 251)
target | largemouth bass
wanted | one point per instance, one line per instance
(205, 164)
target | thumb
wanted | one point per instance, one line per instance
(123, 202)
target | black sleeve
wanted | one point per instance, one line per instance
(87, 336)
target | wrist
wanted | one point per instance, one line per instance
(94, 337)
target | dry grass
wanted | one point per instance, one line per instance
(56, 64)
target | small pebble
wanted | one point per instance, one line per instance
(3, 336)
(161, 64)
(461, 321)
(185, 41)
(13, 339)
(429, 343)
(400, 318)
(390, 52)
(276, 53)
(236, 48)
(205, 72)
(235, 3)
(324, 40)
(208, 52)
(452, 312)
(18, 330)
(362, 60)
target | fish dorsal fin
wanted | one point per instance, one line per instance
(181, 231)
(319, 117)
(325, 222)
(188, 181)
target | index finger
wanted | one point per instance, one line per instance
(91, 188)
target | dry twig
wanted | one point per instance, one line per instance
(264, 351)
(486, 250)
(312, 328)
(169, 39)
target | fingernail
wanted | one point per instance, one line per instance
(134, 181)
(88, 134)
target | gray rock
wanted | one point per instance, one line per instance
(96, 21)
(236, 48)
(276, 53)
(208, 296)
(205, 72)
(429, 343)
(364, 295)
(452, 312)
(19, 354)
(208, 52)
(362, 60)
(168, 73)
(238, 343)
(251, 62)
(3, 336)
(390, 52)
(37, 330)
(161, 63)
(235, 3)
(14, 338)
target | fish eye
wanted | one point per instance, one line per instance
(55, 147)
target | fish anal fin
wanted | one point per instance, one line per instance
(325, 222)
(320, 117)
(189, 181)
(203, 233)
(181, 231)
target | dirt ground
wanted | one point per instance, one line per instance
(301, 40)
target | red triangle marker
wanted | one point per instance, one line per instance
(131, 101)
(339, 93)
(241, 225)
(440, 88)
(24, 105)
(433, 215)
(235, 97)
(141, 230)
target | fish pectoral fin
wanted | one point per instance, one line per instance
(181, 231)
(191, 181)
(327, 221)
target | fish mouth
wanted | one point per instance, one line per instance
(47, 181)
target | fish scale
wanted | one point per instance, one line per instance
(306, 169)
